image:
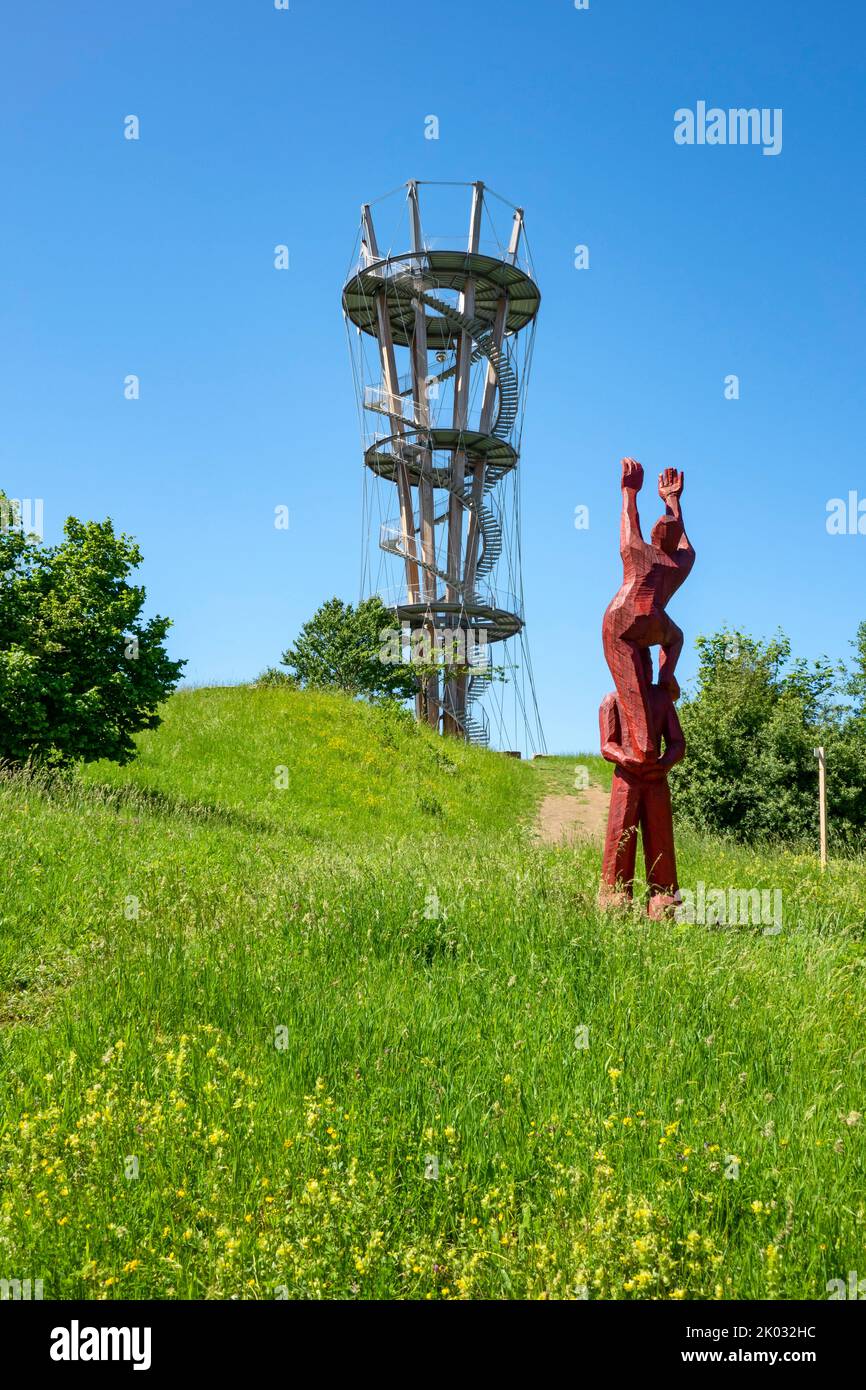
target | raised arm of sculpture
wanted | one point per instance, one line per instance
(630, 536)
(671, 485)
(671, 524)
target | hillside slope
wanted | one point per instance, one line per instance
(360, 1036)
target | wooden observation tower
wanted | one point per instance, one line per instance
(441, 333)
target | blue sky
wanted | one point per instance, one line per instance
(260, 127)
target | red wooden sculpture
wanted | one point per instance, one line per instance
(640, 731)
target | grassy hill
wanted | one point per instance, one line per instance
(295, 1006)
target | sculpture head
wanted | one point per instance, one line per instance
(667, 533)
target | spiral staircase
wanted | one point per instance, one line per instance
(400, 301)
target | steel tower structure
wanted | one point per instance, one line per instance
(441, 341)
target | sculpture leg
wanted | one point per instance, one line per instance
(669, 655)
(631, 668)
(657, 832)
(620, 847)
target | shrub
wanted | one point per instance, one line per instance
(274, 676)
(752, 727)
(340, 649)
(80, 673)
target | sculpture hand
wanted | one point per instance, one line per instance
(632, 474)
(638, 766)
(671, 484)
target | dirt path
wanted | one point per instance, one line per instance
(563, 819)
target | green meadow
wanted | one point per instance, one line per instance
(295, 1006)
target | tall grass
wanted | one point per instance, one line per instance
(359, 1036)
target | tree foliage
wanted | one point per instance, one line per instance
(341, 648)
(80, 672)
(752, 726)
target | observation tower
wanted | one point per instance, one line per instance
(441, 331)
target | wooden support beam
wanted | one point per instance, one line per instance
(425, 485)
(392, 389)
(422, 409)
(456, 689)
(461, 398)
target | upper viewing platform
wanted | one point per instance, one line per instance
(446, 271)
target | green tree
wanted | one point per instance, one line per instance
(347, 648)
(856, 683)
(752, 726)
(80, 672)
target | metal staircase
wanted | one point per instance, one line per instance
(481, 335)
(490, 530)
(476, 725)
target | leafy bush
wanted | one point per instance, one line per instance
(274, 676)
(752, 727)
(80, 673)
(340, 649)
